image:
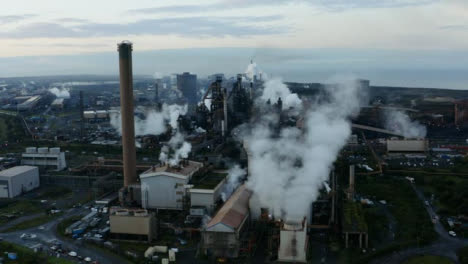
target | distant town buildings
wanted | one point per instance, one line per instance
(187, 84)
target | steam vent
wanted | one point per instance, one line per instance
(126, 108)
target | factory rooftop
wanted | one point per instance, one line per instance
(234, 212)
(15, 171)
(208, 180)
(185, 168)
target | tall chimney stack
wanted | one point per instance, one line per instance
(126, 109)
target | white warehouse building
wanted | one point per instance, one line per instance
(44, 157)
(17, 180)
(165, 187)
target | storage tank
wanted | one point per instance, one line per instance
(31, 150)
(43, 150)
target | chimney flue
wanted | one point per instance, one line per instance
(126, 109)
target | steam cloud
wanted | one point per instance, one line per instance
(399, 122)
(60, 93)
(277, 89)
(155, 124)
(288, 167)
(234, 177)
(175, 150)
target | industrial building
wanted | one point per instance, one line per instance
(29, 103)
(407, 145)
(44, 157)
(132, 224)
(165, 187)
(222, 236)
(18, 180)
(207, 192)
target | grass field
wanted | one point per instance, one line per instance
(428, 260)
(462, 254)
(413, 223)
(11, 128)
(37, 221)
(27, 256)
(18, 208)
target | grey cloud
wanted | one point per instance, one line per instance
(71, 20)
(329, 5)
(14, 18)
(187, 26)
(454, 27)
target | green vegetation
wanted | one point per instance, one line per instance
(54, 192)
(37, 221)
(428, 260)
(27, 256)
(450, 192)
(413, 223)
(462, 254)
(18, 208)
(353, 218)
(11, 128)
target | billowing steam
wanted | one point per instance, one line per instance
(155, 122)
(277, 89)
(175, 150)
(234, 177)
(252, 70)
(60, 93)
(399, 122)
(288, 165)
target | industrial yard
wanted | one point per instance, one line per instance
(182, 169)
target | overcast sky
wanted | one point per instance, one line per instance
(303, 40)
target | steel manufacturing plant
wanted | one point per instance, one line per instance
(242, 168)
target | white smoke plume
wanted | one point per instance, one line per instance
(60, 93)
(251, 70)
(287, 169)
(234, 177)
(277, 89)
(399, 122)
(155, 122)
(175, 150)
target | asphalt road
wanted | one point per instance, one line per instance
(48, 233)
(446, 245)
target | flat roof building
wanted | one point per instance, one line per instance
(44, 157)
(132, 224)
(18, 180)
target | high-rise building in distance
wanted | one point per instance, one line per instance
(187, 84)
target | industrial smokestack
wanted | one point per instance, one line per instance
(126, 109)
